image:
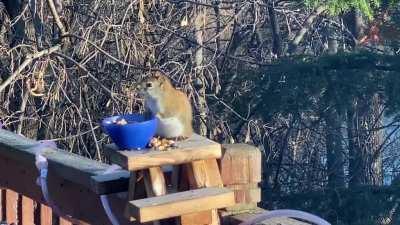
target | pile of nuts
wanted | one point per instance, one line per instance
(120, 121)
(161, 144)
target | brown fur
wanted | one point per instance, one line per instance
(175, 103)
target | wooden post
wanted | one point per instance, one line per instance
(46, 215)
(1, 203)
(203, 173)
(28, 209)
(11, 207)
(154, 182)
(241, 172)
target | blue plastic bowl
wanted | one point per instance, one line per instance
(132, 136)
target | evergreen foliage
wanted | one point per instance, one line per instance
(335, 7)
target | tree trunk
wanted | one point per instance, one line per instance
(14, 9)
(355, 24)
(198, 60)
(334, 147)
(276, 37)
(365, 162)
(306, 27)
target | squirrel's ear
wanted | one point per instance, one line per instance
(157, 75)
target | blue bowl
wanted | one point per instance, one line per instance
(134, 135)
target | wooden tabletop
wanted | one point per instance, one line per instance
(192, 149)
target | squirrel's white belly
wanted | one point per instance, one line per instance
(169, 127)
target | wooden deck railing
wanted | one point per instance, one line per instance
(75, 184)
(21, 210)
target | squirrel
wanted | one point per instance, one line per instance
(170, 106)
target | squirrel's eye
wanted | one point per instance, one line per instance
(149, 85)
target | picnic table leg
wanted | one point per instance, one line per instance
(203, 173)
(154, 182)
(131, 193)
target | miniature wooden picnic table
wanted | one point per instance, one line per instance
(197, 205)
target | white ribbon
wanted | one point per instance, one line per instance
(286, 213)
(104, 198)
(42, 165)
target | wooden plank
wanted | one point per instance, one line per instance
(206, 174)
(154, 182)
(71, 198)
(28, 208)
(2, 191)
(157, 180)
(204, 217)
(64, 221)
(240, 164)
(177, 204)
(46, 215)
(70, 166)
(11, 206)
(131, 194)
(194, 148)
(242, 186)
(248, 195)
(113, 182)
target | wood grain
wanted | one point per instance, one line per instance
(46, 215)
(157, 180)
(205, 173)
(2, 203)
(240, 164)
(204, 217)
(177, 204)
(11, 207)
(194, 148)
(28, 208)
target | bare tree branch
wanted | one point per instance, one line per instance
(27, 61)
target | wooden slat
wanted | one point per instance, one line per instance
(240, 164)
(114, 182)
(177, 204)
(28, 209)
(131, 193)
(46, 215)
(204, 217)
(1, 203)
(11, 207)
(248, 195)
(205, 173)
(64, 221)
(156, 176)
(67, 165)
(71, 198)
(194, 148)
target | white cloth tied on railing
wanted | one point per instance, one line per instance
(42, 165)
(104, 198)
